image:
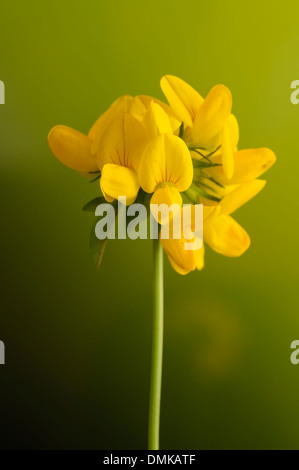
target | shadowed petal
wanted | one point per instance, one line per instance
(72, 148)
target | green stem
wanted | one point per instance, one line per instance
(157, 349)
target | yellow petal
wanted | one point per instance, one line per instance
(239, 196)
(178, 268)
(165, 159)
(122, 142)
(228, 162)
(138, 107)
(234, 132)
(225, 236)
(119, 181)
(106, 196)
(169, 195)
(72, 148)
(146, 100)
(200, 258)
(121, 105)
(183, 99)
(249, 164)
(211, 117)
(182, 261)
(156, 121)
(210, 212)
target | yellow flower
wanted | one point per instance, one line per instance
(224, 178)
(186, 151)
(137, 107)
(224, 234)
(119, 152)
(182, 260)
(79, 151)
(166, 166)
(122, 144)
(208, 122)
(220, 231)
(114, 144)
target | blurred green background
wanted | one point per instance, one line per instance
(78, 341)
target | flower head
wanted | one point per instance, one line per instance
(221, 232)
(184, 152)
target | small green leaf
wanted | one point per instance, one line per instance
(195, 192)
(216, 182)
(97, 247)
(93, 204)
(203, 164)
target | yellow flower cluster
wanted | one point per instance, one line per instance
(182, 152)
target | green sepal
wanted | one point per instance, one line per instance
(197, 186)
(201, 184)
(195, 192)
(97, 247)
(204, 164)
(93, 204)
(216, 182)
(203, 193)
